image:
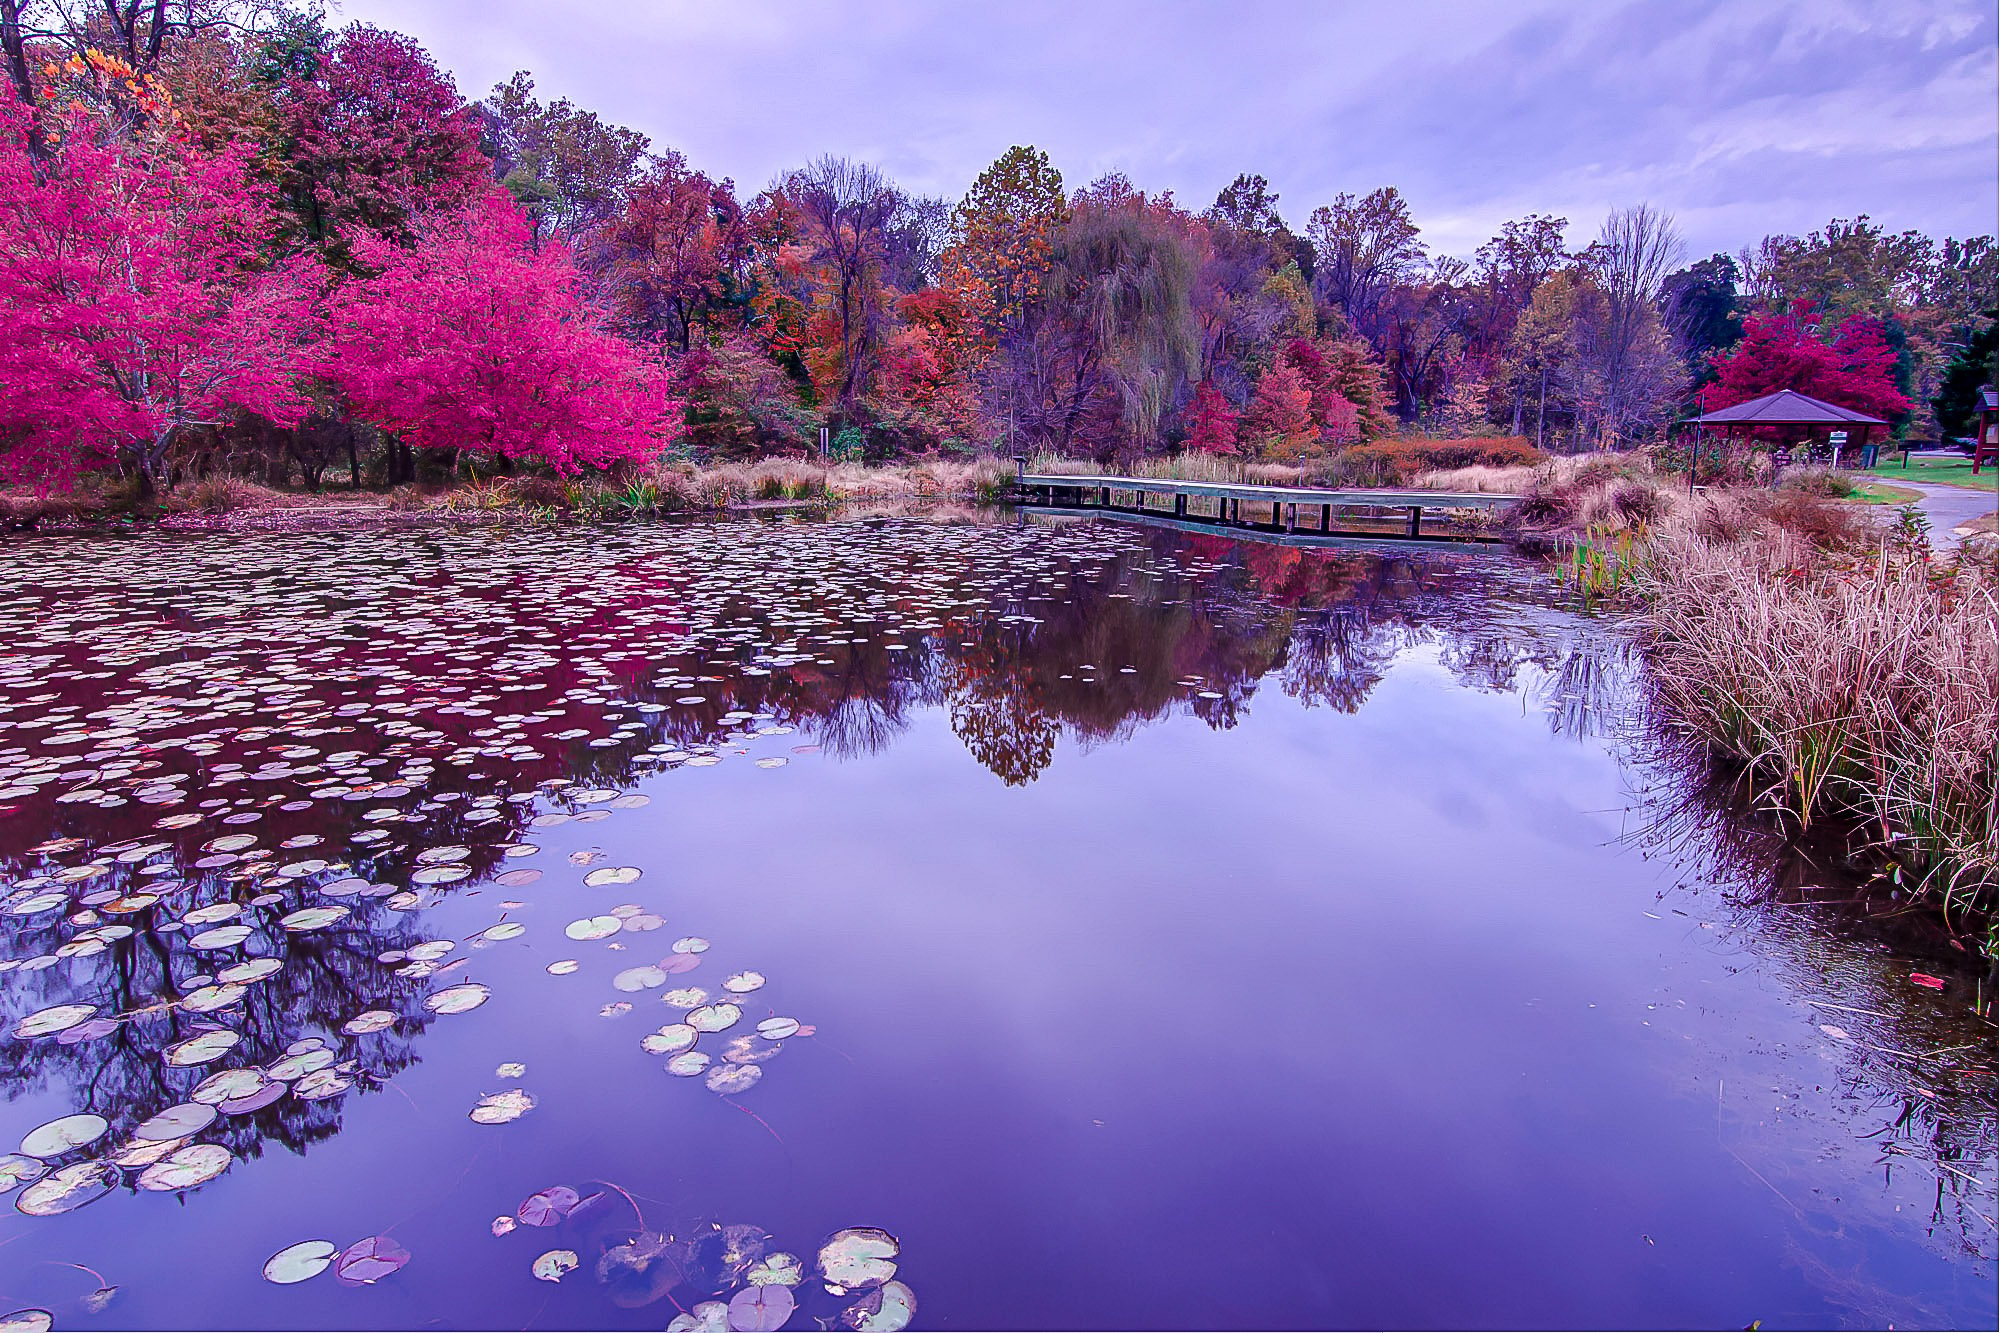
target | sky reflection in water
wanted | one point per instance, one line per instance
(1184, 932)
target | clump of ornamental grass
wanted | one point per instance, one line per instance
(1852, 686)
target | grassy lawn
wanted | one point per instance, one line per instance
(1941, 471)
(1882, 493)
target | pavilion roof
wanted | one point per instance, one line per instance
(1788, 408)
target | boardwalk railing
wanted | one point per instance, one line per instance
(1265, 508)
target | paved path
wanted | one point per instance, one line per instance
(1948, 506)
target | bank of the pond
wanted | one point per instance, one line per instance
(1843, 663)
(232, 504)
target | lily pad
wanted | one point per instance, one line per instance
(859, 1257)
(68, 1188)
(368, 1020)
(707, 1317)
(604, 875)
(177, 1122)
(669, 1039)
(688, 1064)
(545, 1208)
(457, 999)
(729, 1080)
(744, 982)
(311, 918)
(639, 978)
(185, 1168)
(27, 1321)
(593, 928)
(502, 1108)
(761, 1309)
(64, 1134)
(777, 1029)
(714, 1017)
(887, 1309)
(296, 1263)
(777, 1270)
(202, 1048)
(369, 1260)
(221, 937)
(17, 1169)
(552, 1266)
(48, 1022)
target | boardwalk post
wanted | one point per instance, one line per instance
(1180, 504)
(1104, 496)
(1416, 516)
(1326, 518)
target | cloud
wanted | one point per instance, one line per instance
(1741, 116)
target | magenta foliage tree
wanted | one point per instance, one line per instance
(373, 135)
(134, 303)
(472, 338)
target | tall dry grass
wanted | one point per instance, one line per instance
(1848, 685)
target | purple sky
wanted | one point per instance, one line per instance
(1741, 117)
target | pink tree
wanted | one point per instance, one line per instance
(373, 135)
(134, 304)
(474, 339)
(1857, 369)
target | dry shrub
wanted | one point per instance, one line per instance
(1817, 480)
(1848, 686)
(1397, 462)
(220, 494)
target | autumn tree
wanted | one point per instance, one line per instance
(567, 169)
(372, 134)
(473, 337)
(1212, 422)
(1635, 250)
(136, 303)
(1364, 248)
(847, 209)
(1854, 368)
(674, 254)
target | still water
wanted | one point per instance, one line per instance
(981, 924)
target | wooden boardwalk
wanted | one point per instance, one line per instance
(1296, 509)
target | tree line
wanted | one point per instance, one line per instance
(233, 235)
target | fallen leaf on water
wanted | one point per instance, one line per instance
(1927, 981)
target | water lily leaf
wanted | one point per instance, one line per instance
(707, 1317)
(562, 967)
(639, 978)
(254, 1101)
(514, 879)
(177, 1122)
(457, 999)
(511, 1069)
(547, 1207)
(505, 930)
(504, 1224)
(761, 1309)
(688, 997)
(728, 1080)
(777, 1270)
(300, 1063)
(208, 999)
(256, 969)
(502, 1108)
(691, 944)
(593, 928)
(669, 1039)
(688, 1064)
(744, 982)
(321, 1084)
(368, 1260)
(97, 1300)
(642, 1270)
(185, 1168)
(714, 1017)
(17, 1169)
(48, 1022)
(221, 937)
(887, 1309)
(67, 1188)
(27, 1321)
(201, 1048)
(551, 1266)
(311, 918)
(676, 963)
(777, 1029)
(439, 855)
(368, 1020)
(604, 875)
(63, 1134)
(221, 1086)
(859, 1257)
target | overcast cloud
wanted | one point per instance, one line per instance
(1742, 117)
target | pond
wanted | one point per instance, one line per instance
(981, 922)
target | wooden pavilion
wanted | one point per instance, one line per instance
(1793, 417)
